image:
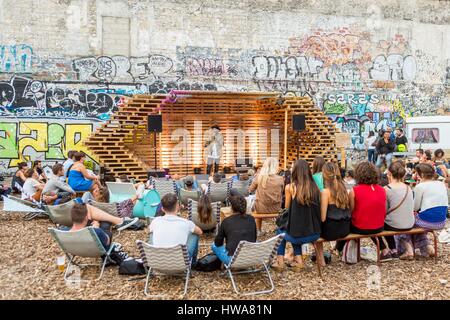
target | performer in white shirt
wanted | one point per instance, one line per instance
(214, 146)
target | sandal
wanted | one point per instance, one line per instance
(297, 267)
(278, 267)
(406, 256)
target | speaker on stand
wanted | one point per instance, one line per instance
(154, 124)
(298, 124)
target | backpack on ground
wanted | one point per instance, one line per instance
(350, 252)
(208, 263)
(132, 267)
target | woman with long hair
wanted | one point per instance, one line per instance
(334, 207)
(304, 225)
(269, 190)
(317, 166)
(204, 209)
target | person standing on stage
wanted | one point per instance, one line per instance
(214, 146)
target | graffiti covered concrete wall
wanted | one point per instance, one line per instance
(367, 69)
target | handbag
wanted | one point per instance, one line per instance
(282, 219)
(350, 252)
(208, 263)
(401, 202)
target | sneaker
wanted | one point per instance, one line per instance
(385, 257)
(395, 255)
(127, 222)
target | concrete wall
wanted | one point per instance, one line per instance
(367, 64)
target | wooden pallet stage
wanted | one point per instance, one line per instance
(254, 119)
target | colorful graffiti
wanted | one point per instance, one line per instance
(24, 97)
(16, 58)
(41, 140)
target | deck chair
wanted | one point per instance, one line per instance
(164, 186)
(60, 214)
(82, 243)
(171, 261)
(186, 195)
(251, 255)
(241, 186)
(193, 215)
(218, 191)
(32, 209)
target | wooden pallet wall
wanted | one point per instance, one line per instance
(124, 146)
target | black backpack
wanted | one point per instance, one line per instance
(208, 263)
(132, 267)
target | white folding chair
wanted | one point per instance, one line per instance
(252, 257)
(171, 261)
(83, 243)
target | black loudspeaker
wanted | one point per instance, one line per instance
(154, 123)
(298, 122)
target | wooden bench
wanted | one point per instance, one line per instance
(358, 237)
(265, 215)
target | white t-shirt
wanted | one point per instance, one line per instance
(29, 188)
(170, 230)
(369, 142)
(430, 194)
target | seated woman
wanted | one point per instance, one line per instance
(19, 177)
(269, 190)
(399, 216)
(234, 229)
(32, 188)
(317, 166)
(440, 163)
(303, 202)
(204, 218)
(124, 208)
(367, 202)
(431, 204)
(334, 207)
(79, 178)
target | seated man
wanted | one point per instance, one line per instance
(216, 178)
(55, 188)
(32, 188)
(80, 220)
(170, 229)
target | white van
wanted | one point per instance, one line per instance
(431, 132)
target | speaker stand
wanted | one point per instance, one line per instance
(154, 149)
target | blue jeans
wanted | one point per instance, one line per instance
(221, 253)
(380, 160)
(296, 242)
(191, 245)
(371, 155)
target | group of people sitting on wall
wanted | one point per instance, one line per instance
(322, 201)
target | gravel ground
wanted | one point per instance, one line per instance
(28, 271)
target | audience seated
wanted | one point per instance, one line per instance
(55, 188)
(19, 177)
(317, 165)
(68, 164)
(32, 188)
(234, 229)
(334, 208)
(367, 202)
(205, 217)
(170, 229)
(399, 215)
(304, 218)
(79, 178)
(431, 205)
(269, 190)
(216, 178)
(37, 166)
